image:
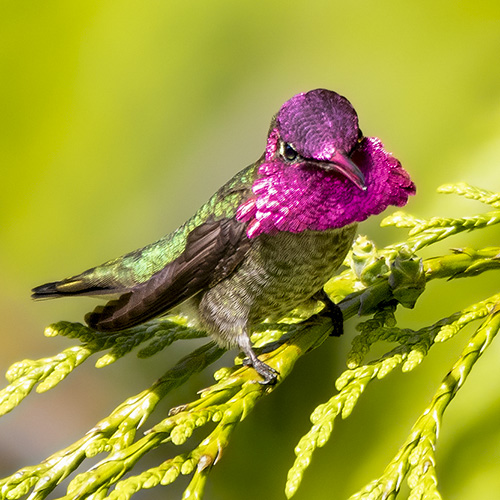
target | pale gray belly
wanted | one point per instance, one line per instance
(279, 272)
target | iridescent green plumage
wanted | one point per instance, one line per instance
(127, 271)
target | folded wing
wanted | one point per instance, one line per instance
(213, 250)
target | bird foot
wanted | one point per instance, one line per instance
(331, 311)
(270, 375)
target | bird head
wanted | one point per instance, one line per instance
(319, 172)
(318, 129)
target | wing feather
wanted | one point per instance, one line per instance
(213, 250)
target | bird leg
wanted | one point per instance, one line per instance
(270, 375)
(332, 311)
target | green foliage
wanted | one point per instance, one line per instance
(375, 284)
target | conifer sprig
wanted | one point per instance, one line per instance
(374, 285)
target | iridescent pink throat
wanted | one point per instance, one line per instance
(302, 196)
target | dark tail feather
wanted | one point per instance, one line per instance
(77, 285)
(115, 315)
(141, 304)
(130, 309)
(46, 291)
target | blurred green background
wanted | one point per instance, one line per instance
(119, 118)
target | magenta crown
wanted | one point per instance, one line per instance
(304, 194)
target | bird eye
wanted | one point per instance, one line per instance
(288, 152)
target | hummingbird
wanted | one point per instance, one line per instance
(267, 241)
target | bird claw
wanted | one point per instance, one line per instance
(331, 311)
(270, 375)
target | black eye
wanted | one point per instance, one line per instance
(288, 152)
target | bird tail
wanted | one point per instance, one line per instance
(82, 284)
(47, 291)
(129, 306)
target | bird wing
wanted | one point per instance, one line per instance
(153, 279)
(213, 250)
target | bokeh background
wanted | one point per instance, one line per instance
(119, 118)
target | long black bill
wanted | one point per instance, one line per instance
(342, 164)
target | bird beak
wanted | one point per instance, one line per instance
(342, 164)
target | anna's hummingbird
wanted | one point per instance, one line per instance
(266, 241)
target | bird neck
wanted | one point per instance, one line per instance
(300, 197)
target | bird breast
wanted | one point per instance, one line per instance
(280, 271)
